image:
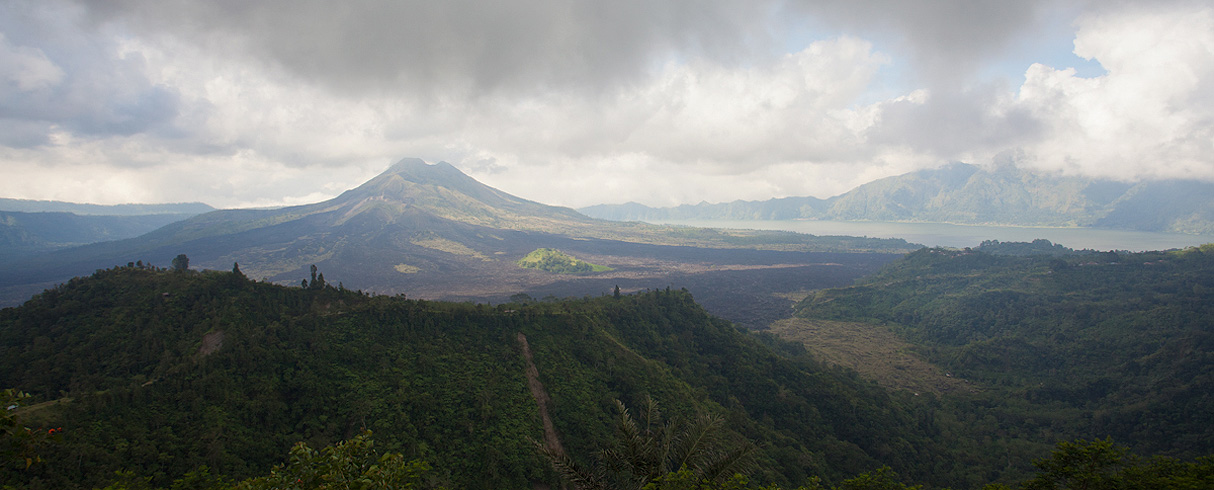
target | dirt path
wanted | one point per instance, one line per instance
(551, 441)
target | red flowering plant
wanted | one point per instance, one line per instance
(19, 445)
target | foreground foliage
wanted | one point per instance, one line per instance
(651, 452)
(20, 446)
(351, 464)
(1073, 465)
(639, 458)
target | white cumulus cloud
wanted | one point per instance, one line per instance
(1150, 116)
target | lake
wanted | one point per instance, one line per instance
(960, 236)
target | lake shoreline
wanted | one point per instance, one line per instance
(967, 235)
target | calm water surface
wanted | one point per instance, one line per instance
(959, 236)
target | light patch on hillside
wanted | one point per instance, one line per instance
(795, 296)
(449, 246)
(211, 342)
(873, 351)
(407, 269)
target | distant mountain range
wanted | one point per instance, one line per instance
(28, 227)
(25, 233)
(961, 193)
(33, 206)
(432, 232)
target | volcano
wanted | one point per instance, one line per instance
(430, 231)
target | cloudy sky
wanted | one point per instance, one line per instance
(578, 102)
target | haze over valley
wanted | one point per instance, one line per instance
(430, 231)
(706, 244)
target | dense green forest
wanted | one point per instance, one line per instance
(155, 377)
(160, 372)
(1055, 347)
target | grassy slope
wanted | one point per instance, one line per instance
(873, 351)
(558, 262)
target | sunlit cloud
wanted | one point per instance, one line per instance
(577, 103)
(1149, 116)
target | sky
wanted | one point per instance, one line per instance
(580, 102)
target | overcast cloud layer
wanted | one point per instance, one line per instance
(238, 103)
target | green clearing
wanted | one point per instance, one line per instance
(558, 262)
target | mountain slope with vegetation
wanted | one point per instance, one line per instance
(1079, 345)
(967, 194)
(432, 232)
(161, 372)
(558, 262)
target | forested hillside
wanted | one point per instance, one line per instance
(1055, 347)
(160, 372)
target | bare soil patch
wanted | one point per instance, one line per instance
(211, 342)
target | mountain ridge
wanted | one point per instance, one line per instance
(29, 227)
(419, 183)
(434, 232)
(44, 206)
(961, 193)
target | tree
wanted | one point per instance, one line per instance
(1082, 465)
(202, 479)
(646, 454)
(317, 282)
(129, 480)
(882, 479)
(352, 464)
(181, 262)
(1100, 464)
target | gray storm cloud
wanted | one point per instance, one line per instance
(529, 45)
(468, 46)
(945, 40)
(663, 102)
(56, 78)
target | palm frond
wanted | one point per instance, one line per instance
(572, 473)
(723, 466)
(699, 436)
